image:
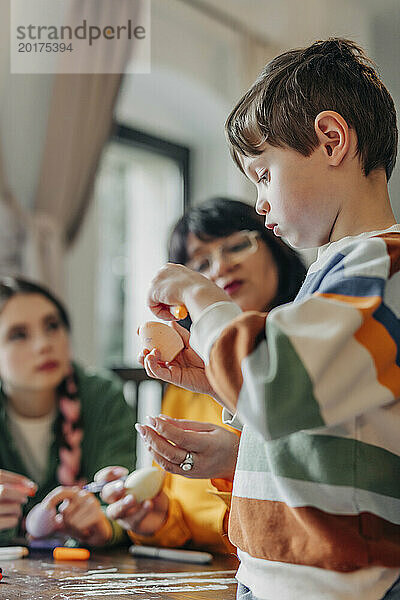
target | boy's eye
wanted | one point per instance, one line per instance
(265, 177)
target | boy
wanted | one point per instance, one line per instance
(316, 383)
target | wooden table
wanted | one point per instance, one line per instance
(114, 575)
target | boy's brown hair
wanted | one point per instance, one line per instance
(335, 74)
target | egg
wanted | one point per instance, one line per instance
(40, 521)
(144, 483)
(159, 335)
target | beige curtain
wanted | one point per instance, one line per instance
(25, 238)
(79, 122)
(80, 117)
(13, 220)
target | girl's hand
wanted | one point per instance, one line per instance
(107, 474)
(214, 448)
(14, 491)
(177, 284)
(186, 370)
(80, 515)
(144, 518)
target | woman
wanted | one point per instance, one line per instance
(59, 423)
(227, 242)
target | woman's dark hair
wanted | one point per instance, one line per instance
(220, 217)
(11, 286)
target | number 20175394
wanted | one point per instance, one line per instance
(44, 47)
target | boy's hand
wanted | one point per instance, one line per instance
(177, 284)
(112, 473)
(186, 370)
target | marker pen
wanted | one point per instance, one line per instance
(190, 556)
(63, 553)
(13, 552)
(96, 486)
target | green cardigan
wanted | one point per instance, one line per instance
(108, 437)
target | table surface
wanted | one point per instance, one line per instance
(116, 574)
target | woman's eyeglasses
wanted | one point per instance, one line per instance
(234, 250)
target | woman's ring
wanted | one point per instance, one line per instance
(188, 463)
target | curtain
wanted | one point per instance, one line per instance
(80, 118)
(13, 219)
(79, 122)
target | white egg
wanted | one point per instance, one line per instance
(144, 483)
(159, 335)
(40, 521)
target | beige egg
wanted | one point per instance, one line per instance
(159, 335)
(144, 483)
(41, 521)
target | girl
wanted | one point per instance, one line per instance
(59, 423)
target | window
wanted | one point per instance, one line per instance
(141, 191)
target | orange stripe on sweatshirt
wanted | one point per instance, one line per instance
(376, 339)
(236, 342)
(392, 241)
(309, 536)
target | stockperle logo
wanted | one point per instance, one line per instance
(80, 36)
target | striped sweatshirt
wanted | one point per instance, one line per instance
(316, 384)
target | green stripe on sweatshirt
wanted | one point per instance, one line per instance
(286, 387)
(323, 459)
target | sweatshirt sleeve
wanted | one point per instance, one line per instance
(174, 533)
(324, 359)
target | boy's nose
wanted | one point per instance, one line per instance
(262, 206)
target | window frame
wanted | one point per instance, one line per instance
(140, 139)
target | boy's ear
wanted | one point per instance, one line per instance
(333, 134)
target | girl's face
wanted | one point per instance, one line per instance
(34, 344)
(247, 273)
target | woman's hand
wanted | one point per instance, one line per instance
(14, 492)
(186, 370)
(213, 448)
(177, 284)
(144, 518)
(80, 515)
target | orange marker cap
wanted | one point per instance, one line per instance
(62, 553)
(179, 312)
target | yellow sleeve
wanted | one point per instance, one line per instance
(174, 532)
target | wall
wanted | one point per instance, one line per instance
(385, 48)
